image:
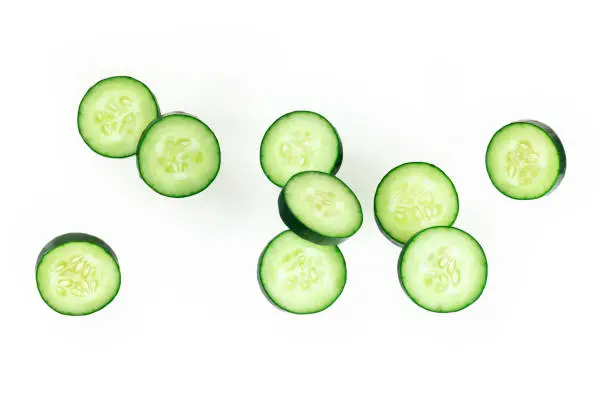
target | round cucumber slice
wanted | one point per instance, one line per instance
(320, 208)
(412, 197)
(301, 277)
(525, 160)
(443, 269)
(77, 274)
(178, 155)
(113, 114)
(299, 141)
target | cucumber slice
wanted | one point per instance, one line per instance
(412, 197)
(525, 160)
(113, 114)
(178, 155)
(443, 269)
(299, 276)
(299, 141)
(320, 208)
(77, 274)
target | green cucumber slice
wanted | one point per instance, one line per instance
(443, 269)
(113, 114)
(178, 155)
(320, 208)
(526, 160)
(299, 141)
(301, 277)
(77, 274)
(412, 197)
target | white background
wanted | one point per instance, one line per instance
(427, 81)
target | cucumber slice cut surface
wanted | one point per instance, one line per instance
(113, 114)
(77, 274)
(525, 160)
(443, 269)
(299, 276)
(178, 155)
(320, 208)
(412, 197)
(299, 141)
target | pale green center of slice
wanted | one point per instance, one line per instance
(299, 269)
(75, 276)
(413, 202)
(116, 117)
(179, 154)
(441, 270)
(324, 203)
(296, 148)
(523, 164)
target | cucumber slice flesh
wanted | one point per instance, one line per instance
(77, 274)
(412, 197)
(299, 141)
(299, 276)
(113, 114)
(178, 155)
(443, 269)
(320, 208)
(525, 160)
